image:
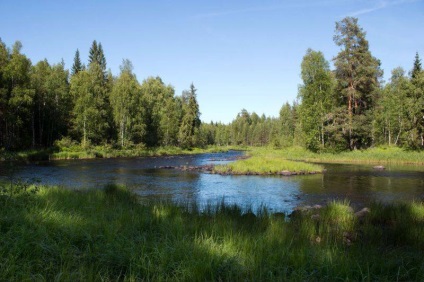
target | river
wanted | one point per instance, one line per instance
(360, 184)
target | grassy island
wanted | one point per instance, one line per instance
(49, 233)
(297, 160)
(263, 162)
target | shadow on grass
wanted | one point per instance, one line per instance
(108, 235)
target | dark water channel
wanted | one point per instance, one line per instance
(360, 184)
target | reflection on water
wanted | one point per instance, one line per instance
(360, 184)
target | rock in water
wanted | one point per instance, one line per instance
(379, 167)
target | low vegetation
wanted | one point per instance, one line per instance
(383, 155)
(79, 152)
(49, 233)
(263, 161)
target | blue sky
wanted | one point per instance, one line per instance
(239, 54)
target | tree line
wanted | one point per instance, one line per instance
(43, 103)
(349, 107)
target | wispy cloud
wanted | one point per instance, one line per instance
(286, 5)
(380, 5)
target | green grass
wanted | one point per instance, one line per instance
(383, 155)
(77, 152)
(49, 233)
(264, 161)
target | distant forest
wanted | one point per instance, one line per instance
(349, 107)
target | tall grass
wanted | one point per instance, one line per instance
(57, 234)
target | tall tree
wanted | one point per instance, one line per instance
(92, 109)
(4, 61)
(358, 74)
(96, 55)
(125, 99)
(77, 65)
(93, 54)
(154, 94)
(416, 69)
(316, 95)
(19, 113)
(391, 111)
(288, 124)
(416, 107)
(191, 120)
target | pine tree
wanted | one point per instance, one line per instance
(101, 59)
(191, 119)
(96, 55)
(417, 67)
(93, 53)
(358, 74)
(77, 66)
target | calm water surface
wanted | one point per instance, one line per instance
(358, 183)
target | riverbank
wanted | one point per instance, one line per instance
(51, 233)
(76, 152)
(379, 155)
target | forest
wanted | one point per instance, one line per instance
(346, 108)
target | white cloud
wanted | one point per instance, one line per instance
(380, 5)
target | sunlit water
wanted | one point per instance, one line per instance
(360, 184)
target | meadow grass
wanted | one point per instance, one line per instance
(378, 155)
(49, 233)
(265, 161)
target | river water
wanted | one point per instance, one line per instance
(360, 184)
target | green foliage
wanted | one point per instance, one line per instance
(416, 69)
(317, 99)
(77, 66)
(346, 108)
(127, 107)
(358, 74)
(190, 122)
(91, 109)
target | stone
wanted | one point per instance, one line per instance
(362, 213)
(379, 167)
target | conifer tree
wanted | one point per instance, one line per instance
(93, 53)
(191, 119)
(417, 67)
(77, 66)
(358, 74)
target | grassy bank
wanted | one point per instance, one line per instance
(56, 234)
(77, 152)
(264, 161)
(380, 155)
